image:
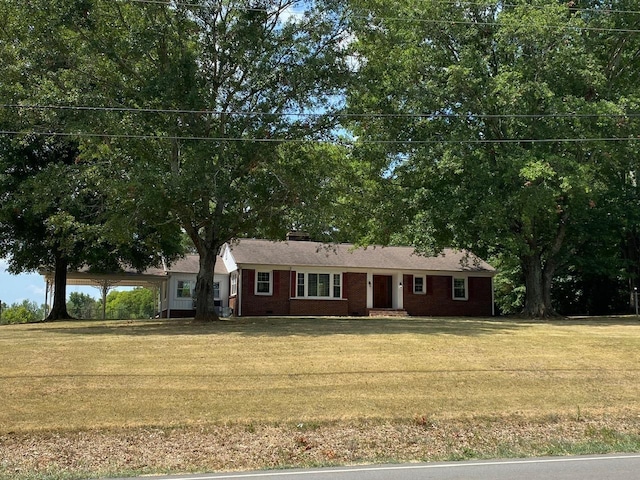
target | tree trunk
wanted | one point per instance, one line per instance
(59, 308)
(538, 280)
(205, 307)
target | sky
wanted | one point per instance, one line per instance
(30, 286)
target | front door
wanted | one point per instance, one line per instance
(382, 291)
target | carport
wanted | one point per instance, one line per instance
(153, 278)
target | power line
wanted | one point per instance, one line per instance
(443, 2)
(335, 141)
(169, 3)
(437, 21)
(429, 115)
(495, 24)
(513, 5)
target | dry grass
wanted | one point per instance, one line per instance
(150, 380)
(111, 374)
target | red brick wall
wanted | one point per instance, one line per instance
(233, 302)
(257, 305)
(355, 289)
(302, 307)
(438, 300)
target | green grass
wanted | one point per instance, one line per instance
(85, 375)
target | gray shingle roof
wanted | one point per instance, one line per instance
(313, 254)
(187, 264)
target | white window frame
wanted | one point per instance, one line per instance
(465, 281)
(258, 282)
(180, 287)
(424, 284)
(302, 283)
(233, 289)
(216, 288)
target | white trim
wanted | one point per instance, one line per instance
(233, 292)
(424, 285)
(255, 288)
(331, 273)
(377, 271)
(227, 259)
(177, 289)
(466, 288)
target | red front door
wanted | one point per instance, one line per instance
(382, 291)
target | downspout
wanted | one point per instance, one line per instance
(239, 292)
(169, 297)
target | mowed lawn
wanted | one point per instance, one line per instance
(95, 374)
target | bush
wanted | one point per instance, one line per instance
(25, 312)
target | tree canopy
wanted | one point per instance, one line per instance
(61, 208)
(506, 128)
(509, 125)
(213, 104)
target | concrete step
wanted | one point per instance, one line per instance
(387, 312)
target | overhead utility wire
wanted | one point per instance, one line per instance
(510, 5)
(493, 24)
(302, 140)
(198, 5)
(433, 21)
(443, 2)
(318, 114)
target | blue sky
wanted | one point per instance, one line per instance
(30, 286)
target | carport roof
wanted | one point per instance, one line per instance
(129, 277)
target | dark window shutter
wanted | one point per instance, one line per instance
(408, 283)
(345, 283)
(430, 285)
(251, 274)
(276, 282)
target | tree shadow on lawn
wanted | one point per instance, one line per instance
(324, 326)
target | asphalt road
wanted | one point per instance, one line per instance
(605, 467)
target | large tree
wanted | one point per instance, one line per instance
(216, 103)
(507, 124)
(59, 208)
(60, 212)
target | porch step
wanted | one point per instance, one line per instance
(387, 312)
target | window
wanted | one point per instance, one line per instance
(460, 288)
(185, 287)
(336, 286)
(419, 285)
(234, 284)
(319, 285)
(263, 283)
(216, 289)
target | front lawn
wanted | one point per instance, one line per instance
(71, 380)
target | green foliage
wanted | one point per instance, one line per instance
(59, 206)
(230, 82)
(496, 117)
(509, 289)
(136, 303)
(82, 305)
(24, 312)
